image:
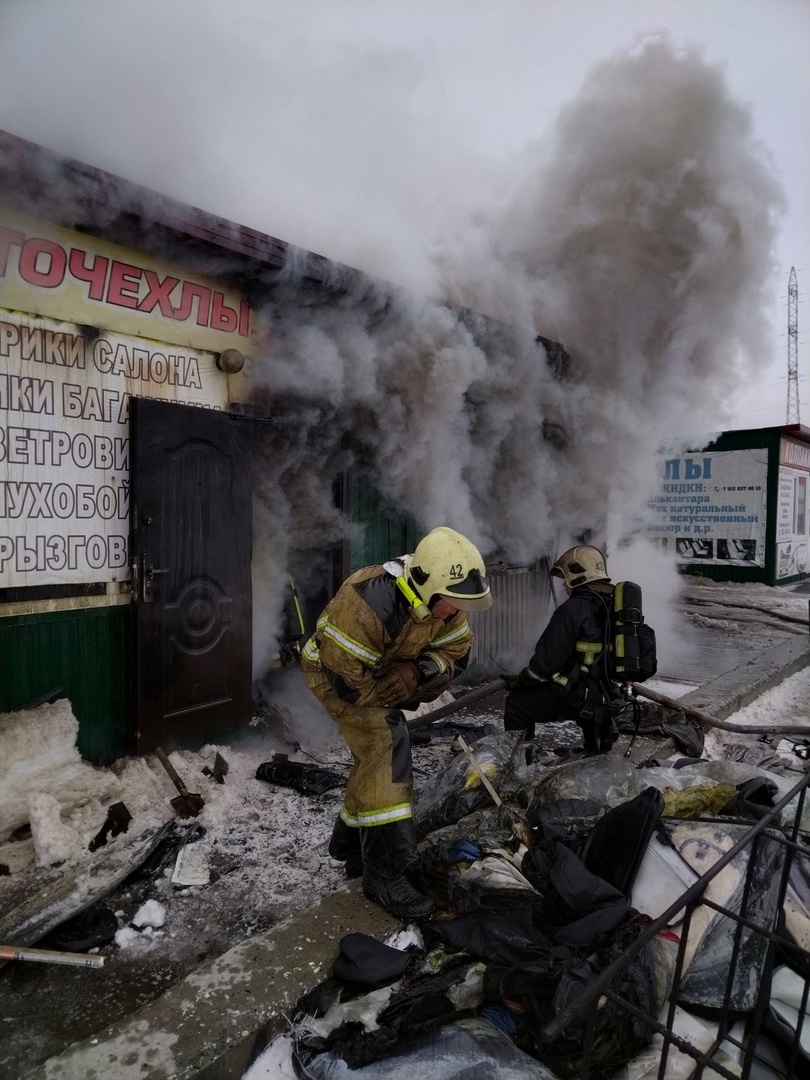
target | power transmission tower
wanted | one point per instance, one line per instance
(793, 349)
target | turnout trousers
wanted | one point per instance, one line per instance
(380, 785)
(374, 833)
(535, 705)
(526, 707)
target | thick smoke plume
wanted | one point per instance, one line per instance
(638, 234)
(419, 397)
(640, 237)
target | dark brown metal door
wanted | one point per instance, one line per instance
(190, 556)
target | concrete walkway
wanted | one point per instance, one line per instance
(218, 1019)
(726, 694)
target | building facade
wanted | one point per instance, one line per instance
(738, 509)
(126, 324)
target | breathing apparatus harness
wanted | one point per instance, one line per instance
(627, 689)
(602, 679)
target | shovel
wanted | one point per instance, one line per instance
(187, 803)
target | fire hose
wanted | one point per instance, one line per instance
(723, 725)
(487, 689)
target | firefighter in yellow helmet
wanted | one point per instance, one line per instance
(566, 678)
(392, 636)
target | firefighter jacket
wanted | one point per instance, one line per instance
(573, 642)
(370, 624)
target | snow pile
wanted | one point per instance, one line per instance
(151, 914)
(54, 840)
(126, 937)
(39, 757)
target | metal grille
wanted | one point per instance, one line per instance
(757, 932)
(506, 634)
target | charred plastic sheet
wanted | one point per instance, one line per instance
(303, 777)
(688, 956)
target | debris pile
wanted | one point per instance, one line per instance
(587, 912)
(546, 876)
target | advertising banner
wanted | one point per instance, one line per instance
(54, 272)
(64, 442)
(711, 508)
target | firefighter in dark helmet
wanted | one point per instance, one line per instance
(393, 636)
(565, 678)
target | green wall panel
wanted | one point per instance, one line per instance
(88, 653)
(385, 533)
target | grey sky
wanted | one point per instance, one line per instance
(367, 130)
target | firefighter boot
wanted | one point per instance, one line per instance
(344, 845)
(608, 736)
(605, 732)
(388, 851)
(590, 739)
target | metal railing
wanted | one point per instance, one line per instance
(769, 936)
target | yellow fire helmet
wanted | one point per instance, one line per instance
(580, 565)
(447, 564)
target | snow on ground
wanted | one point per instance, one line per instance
(786, 704)
(263, 845)
(275, 1063)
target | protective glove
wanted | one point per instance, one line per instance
(433, 688)
(513, 680)
(398, 684)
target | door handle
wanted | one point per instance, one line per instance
(147, 577)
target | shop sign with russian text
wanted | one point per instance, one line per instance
(64, 442)
(61, 274)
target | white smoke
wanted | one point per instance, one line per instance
(444, 411)
(641, 238)
(639, 234)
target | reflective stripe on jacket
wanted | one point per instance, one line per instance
(368, 625)
(574, 639)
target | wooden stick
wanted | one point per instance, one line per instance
(712, 721)
(484, 778)
(50, 956)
